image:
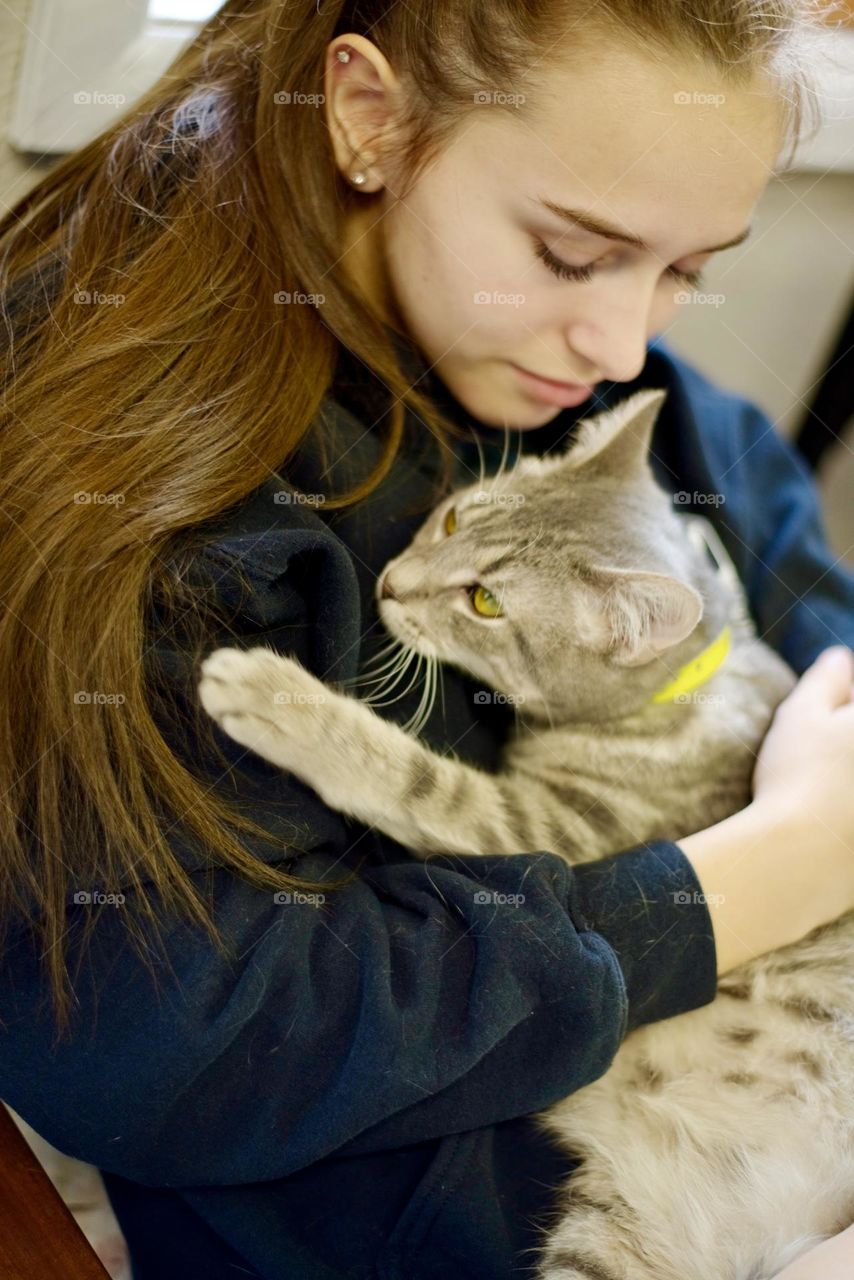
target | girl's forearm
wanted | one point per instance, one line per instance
(831, 1260)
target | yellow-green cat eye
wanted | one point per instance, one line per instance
(451, 520)
(485, 603)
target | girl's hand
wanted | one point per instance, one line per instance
(831, 1260)
(782, 866)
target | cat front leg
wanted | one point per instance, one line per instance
(363, 765)
(357, 762)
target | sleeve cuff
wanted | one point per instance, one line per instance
(648, 905)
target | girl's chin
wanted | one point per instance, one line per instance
(498, 408)
(524, 417)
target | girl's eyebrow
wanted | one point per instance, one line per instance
(597, 227)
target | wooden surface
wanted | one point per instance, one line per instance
(844, 14)
(39, 1239)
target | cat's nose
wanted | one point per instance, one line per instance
(386, 592)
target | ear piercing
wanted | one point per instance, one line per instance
(358, 177)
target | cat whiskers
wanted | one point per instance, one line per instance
(432, 676)
(388, 673)
(393, 671)
(502, 466)
(505, 453)
(375, 674)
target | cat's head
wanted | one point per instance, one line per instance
(565, 582)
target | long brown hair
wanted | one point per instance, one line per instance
(197, 207)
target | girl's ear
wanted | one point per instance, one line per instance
(635, 616)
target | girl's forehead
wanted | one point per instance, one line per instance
(632, 108)
(674, 155)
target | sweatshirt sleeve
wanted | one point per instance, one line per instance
(425, 998)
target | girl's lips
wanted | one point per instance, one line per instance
(548, 391)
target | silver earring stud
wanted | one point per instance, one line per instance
(343, 55)
(358, 177)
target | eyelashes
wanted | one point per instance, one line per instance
(691, 279)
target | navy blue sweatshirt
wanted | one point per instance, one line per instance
(350, 1094)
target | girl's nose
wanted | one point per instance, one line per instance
(613, 337)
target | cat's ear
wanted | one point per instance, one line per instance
(617, 440)
(634, 615)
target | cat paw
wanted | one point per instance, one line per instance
(263, 700)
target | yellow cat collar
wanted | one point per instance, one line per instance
(698, 670)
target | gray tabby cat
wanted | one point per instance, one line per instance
(719, 1145)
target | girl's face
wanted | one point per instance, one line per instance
(475, 261)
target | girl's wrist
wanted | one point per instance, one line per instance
(831, 1260)
(740, 863)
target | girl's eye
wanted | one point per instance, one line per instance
(450, 524)
(691, 279)
(561, 269)
(485, 603)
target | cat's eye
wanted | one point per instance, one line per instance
(450, 524)
(485, 603)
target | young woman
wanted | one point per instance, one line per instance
(252, 330)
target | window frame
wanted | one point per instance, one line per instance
(62, 61)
